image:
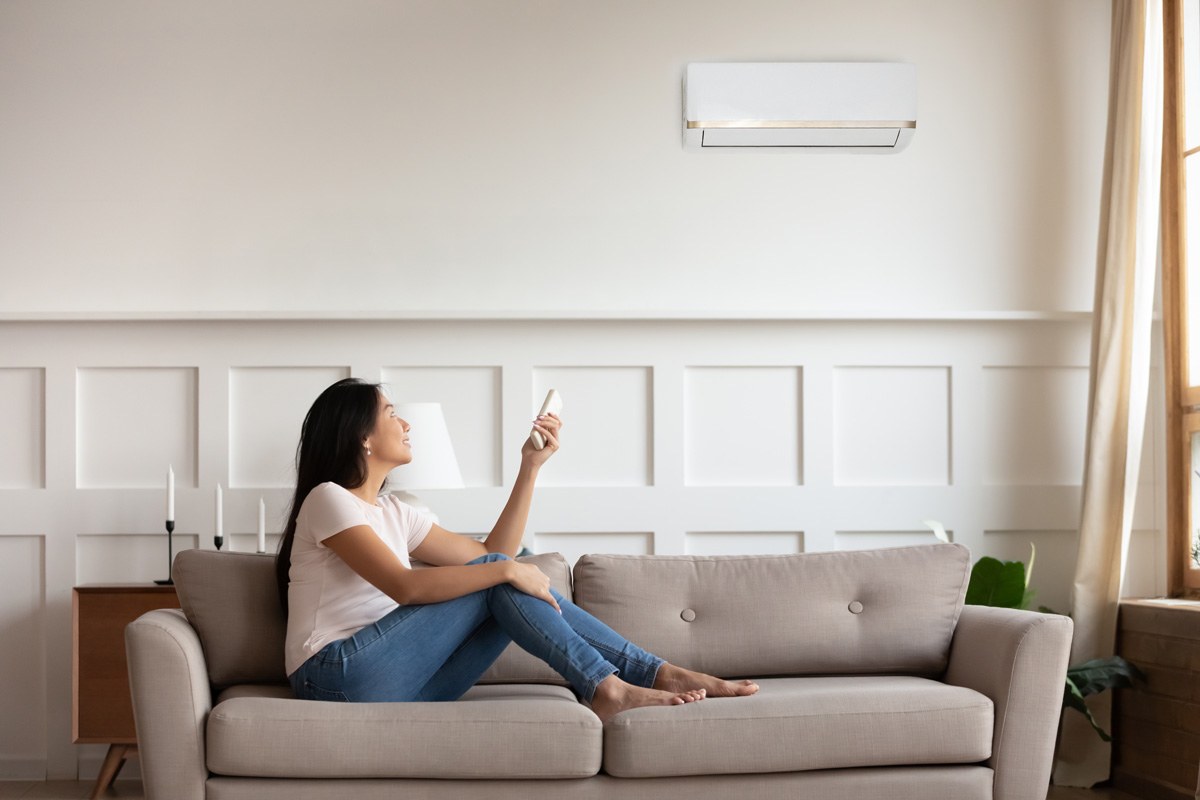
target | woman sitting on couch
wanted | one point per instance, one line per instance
(362, 626)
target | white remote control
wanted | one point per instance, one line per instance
(552, 405)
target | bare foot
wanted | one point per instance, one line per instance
(671, 678)
(614, 695)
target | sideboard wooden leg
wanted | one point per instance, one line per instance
(114, 759)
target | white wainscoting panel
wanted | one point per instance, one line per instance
(743, 426)
(247, 542)
(22, 428)
(132, 423)
(870, 540)
(23, 695)
(574, 545)
(470, 398)
(868, 427)
(891, 426)
(717, 543)
(608, 441)
(267, 406)
(1038, 417)
(128, 557)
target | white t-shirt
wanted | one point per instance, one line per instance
(327, 600)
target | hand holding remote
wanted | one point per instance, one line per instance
(544, 440)
(551, 405)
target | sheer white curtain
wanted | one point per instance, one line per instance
(1120, 364)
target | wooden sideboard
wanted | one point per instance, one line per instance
(1156, 728)
(101, 708)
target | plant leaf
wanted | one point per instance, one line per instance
(1029, 569)
(1104, 673)
(1073, 698)
(996, 583)
(1046, 610)
(938, 530)
(1027, 598)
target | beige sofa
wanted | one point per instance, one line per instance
(876, 681)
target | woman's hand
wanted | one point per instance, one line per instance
(531, 580)
(549, 426)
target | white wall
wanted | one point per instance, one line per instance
(857, 432)
(408, 156)
(522, 160)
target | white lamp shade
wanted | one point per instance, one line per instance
(433, 464)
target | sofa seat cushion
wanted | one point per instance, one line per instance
(494, 731)
(280, 690)
(806, 723)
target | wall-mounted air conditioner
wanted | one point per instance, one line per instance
(851, 107)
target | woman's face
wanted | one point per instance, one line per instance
(389, 440)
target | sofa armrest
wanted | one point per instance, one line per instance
(168, 682)
(1019, 660)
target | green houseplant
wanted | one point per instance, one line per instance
(1005, 584)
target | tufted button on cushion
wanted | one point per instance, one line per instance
(856, 607)
(688, 615)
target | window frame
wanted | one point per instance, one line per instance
(1183, 578)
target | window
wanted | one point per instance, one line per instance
(1181, 290)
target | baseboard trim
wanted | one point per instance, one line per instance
(14, 768)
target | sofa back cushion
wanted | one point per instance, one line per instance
(515, 665)
(232, 601)
(890, 610)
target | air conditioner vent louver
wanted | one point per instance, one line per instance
(781, 107)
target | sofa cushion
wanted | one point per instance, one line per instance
(280, 690)
(889, 610)
(516, 665)
(477, 692)
(501, 731)
(232, 601)
(794, 724)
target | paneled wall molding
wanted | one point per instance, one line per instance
(683, 436)
(820, 315)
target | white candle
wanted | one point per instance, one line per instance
(262, 526)
(219, 510)
(170, 494)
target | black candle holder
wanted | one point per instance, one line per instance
(218, 540)
(170, 559)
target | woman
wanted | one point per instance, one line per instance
(362, 626)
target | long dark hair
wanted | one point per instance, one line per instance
(330, 449)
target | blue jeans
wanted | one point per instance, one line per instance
(436, 651)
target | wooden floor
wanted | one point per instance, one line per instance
(67, 790)
(76, 790)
